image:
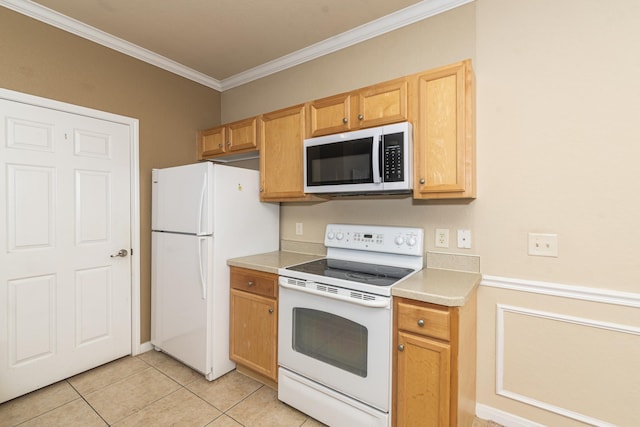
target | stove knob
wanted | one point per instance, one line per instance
(331, 235)
(412, 241)
(399, 240)
(339, 236)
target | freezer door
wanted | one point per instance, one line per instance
(180, 288)
(182, 199)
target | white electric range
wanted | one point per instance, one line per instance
(335, 321)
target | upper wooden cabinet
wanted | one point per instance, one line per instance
(444, 133)
(375, 105)
(232, 138)
(281, 156)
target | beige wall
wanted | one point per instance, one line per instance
(40, 60)
(558, 142)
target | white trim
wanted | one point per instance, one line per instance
(500, 338)
(135, 188)
(410, 15)
(606, 296)
(73, 26)
(504, 418)
(146, 346)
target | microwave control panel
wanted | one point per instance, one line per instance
(393, 157)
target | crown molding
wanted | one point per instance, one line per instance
(394, 21)
(407, 16)
(63, 22)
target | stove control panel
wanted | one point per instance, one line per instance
(375, 238)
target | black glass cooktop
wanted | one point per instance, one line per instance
(372, 274)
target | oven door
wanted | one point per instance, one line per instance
(343, 345)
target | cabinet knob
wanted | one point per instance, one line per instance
(400, 347)
(219, 145)
(421, 323)
(250, 283)
(422, 181)
(228, 144)
(360, 117)
(270, 310)
(345, 120)
(261, 189)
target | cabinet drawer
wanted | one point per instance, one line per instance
(424, 320)
(254, 281)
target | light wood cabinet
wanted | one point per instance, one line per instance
(375, 105)
(254, 323)
(444, 133)
(434, 364)
(281, 156)
(233, 138)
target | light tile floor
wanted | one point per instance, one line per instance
(152, 389)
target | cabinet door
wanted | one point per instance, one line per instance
(281, 156)
(253, 330)
(242, 135)
(444, 134)
(211, 142)
(330, 115)
(383, 104)
(423, 382)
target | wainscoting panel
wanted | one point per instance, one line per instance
(569, 354)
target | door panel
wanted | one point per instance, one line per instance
(65, 208)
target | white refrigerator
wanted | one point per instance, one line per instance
(202, 215)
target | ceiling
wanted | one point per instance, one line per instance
(226, 43)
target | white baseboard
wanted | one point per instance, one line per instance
(506, 419)
(144, 347)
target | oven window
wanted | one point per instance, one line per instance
(331, 339)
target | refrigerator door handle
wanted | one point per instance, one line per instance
(202, 196)
(203, 282)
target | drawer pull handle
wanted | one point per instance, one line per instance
(250, 283)
(270, 310)
(421, 323)
(400, 347)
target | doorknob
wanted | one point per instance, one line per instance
(121, 253)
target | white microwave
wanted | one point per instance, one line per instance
(365, 161)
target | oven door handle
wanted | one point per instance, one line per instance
(382, 303)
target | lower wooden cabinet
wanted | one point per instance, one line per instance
(434, 364)
(254, 323)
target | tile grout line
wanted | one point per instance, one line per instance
(87, 402)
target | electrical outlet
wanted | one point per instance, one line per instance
(442, 237)
(543, 244)
(464, 239)
(298, 229)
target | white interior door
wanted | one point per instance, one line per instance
(65, 302)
